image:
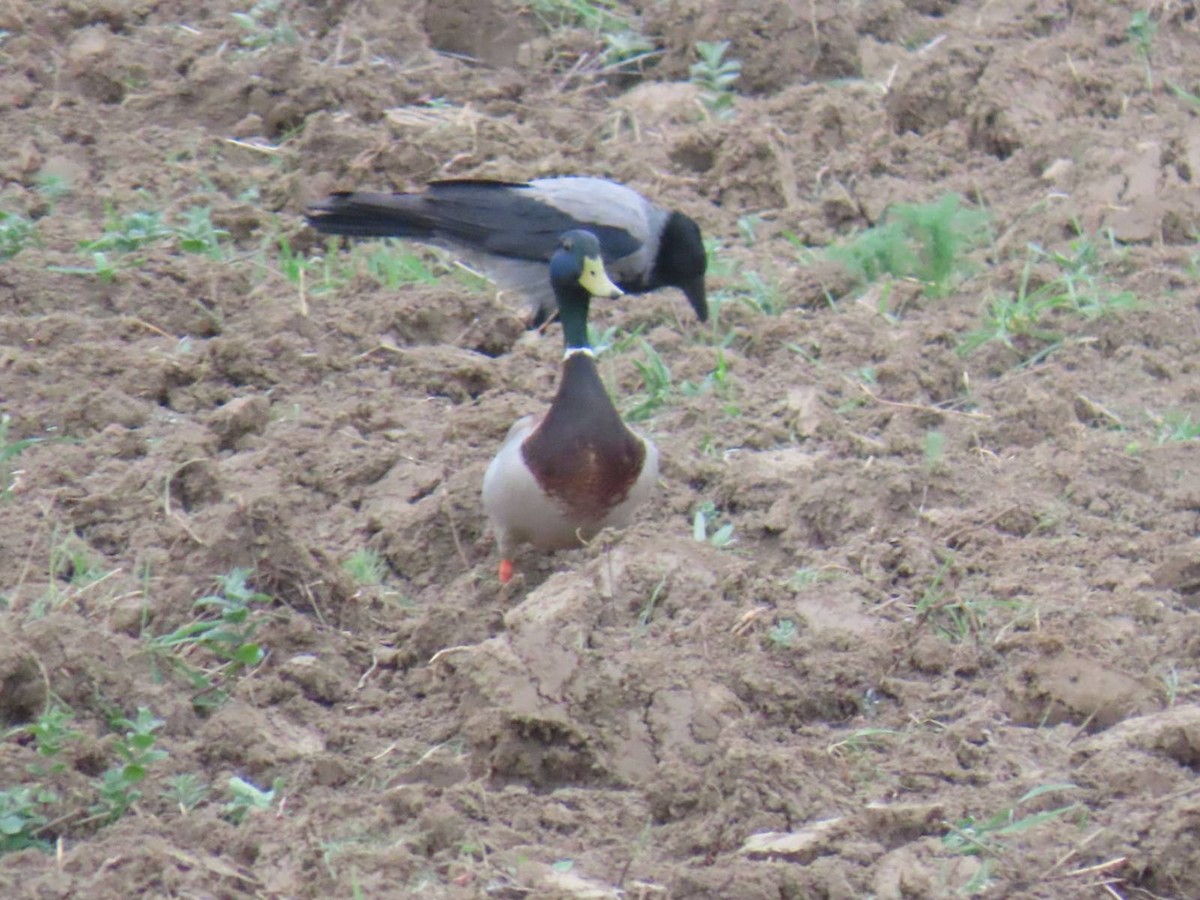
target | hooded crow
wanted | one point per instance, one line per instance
(510, 230)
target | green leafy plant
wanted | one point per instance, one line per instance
(16, 233)
(197, 234)
(22, 816)
(782, 634)
(319, 274)
(51, 732)
(124, 234)
(73, 568)
(714, 76)
(119, 786)
(624, 46)
(626, 50)
(230, 620)
(1168, 678)
(263, 26)
(390, 263)
(758, 295)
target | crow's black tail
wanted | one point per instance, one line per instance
(369, 215)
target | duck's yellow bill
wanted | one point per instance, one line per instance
(595, 280)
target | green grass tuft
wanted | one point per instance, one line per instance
(1022, 321)
(366, 567)
(925, 241)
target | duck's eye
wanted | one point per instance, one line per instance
(568, 244)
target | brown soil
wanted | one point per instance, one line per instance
(1006, 605)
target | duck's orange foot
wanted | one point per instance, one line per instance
(506, 571)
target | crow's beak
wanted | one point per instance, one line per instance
(694, 290)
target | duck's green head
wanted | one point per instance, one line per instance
(577, 274)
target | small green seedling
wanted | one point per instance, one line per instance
(626, 51)
(16, 233)
(1177, 426)
(186, 790)
(248, 798)
(954, 617)
(229, 637)
(1168, 678)
(613, 339)
(366, 567)
(759, 295)
(264, 26)
(1021, 321)
(647, 611)
(51, 732)
(22, 817)
(72, 561)
(718, 382)
(197, 233)
(129, 233)
(656, 384)
(1141, 32)
(703, 520)
(119, 787)
(102, 267)
(52, 186)
(1188, 97)
(984, 838)
(782, 634)
(714, 76)
(935, 451)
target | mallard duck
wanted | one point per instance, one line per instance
(561, 477)
(510, 230)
